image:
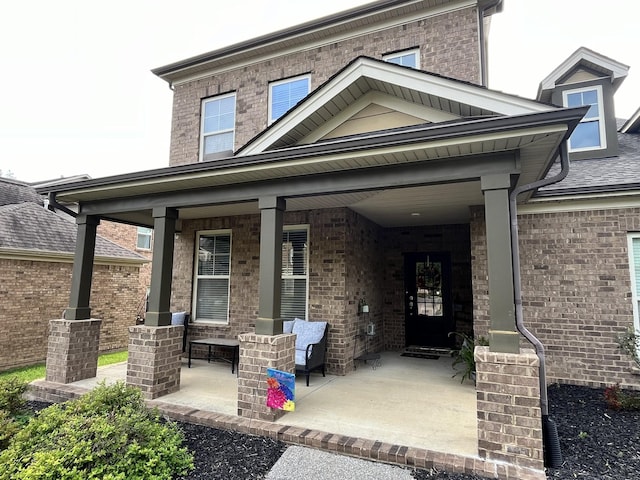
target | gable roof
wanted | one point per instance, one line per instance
(366, 81)
(583, 57)
(28, 228)
(633, 124)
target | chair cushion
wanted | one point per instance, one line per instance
(287, 326)
(178, 318)
(308, 332)
(300, 360)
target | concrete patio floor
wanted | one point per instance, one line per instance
(405, 401)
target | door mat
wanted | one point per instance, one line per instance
(426, 352)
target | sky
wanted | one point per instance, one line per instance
(77, 95)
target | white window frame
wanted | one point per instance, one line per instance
(291, 276)
(204, 135)
(144, 232)
(392, 56)
(196, 277)
(284, 82)
(599, 118)
(635, 288)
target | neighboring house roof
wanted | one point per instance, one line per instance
(633, 124)
(320, 31)
(29, 228)
(14, 191)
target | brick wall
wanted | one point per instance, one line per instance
(448, 46)
(127, 237)
(35, 292)
(576, 290)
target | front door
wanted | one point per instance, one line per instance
(428, 306)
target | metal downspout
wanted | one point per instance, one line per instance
(556, 457)
(54, 205)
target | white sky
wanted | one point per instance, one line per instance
(77, 95)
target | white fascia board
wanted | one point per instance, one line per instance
(63, 257)
(580, 203)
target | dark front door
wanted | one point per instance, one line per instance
(428, 307)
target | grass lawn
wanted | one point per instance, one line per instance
(35, 372)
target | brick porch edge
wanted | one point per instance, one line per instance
(45, 391)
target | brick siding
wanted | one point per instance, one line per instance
(448, 46)
(576, 291)
(36, 292)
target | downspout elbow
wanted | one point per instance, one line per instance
(54, 205)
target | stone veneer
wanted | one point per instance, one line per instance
(257, 353)
(72, 352)
(509, 415)
(155, 359)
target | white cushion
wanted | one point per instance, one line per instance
(308, 332)
(287, 326)
(300, 360)
(178, 318)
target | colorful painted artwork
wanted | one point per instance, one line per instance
(281, 387)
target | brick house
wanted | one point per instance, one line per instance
(36, 256)
(361, 158)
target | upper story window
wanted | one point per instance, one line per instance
(590, 133)
(406, 58)
(218, 125)
(284, 94)
(144, 238)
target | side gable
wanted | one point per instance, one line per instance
(368, 88)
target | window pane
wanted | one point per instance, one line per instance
(218, 143)
(144, 238)
(294, 274)
(212, 299)
(286, 95)
(574, 100)
(586, 134)
(294, 298)
(589, 97)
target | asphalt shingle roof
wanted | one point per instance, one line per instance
(13, 191)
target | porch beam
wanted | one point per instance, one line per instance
(270, 279)
(396, 176)
(164, 229)
(503, 336)
(82, 269)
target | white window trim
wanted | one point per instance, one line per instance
(232, 130)
(635, 295)
(195, 277)
(603, 137)
(415, 51)
(282, 82)
(145, 234)
(289, 228)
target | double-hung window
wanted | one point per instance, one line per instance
(212, 273)
(144, 238)
(284, 94)
(634, 267)
(589, 134)
(406, 58)
(218, 126)
(295, 273)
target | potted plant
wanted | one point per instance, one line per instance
(464, 362)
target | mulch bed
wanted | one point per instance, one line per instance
(596, 442)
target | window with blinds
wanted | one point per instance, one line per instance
(295, 273)
(284, 94)
(213, 268)
(634, 267)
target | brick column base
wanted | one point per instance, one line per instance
(72, 351)
(509, 415)
(257, 353)
(155, 359)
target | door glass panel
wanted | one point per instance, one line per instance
(429, 286)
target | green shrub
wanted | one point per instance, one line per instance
(108, 433)
(618, 399)
(11, 395)
(8, 428)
